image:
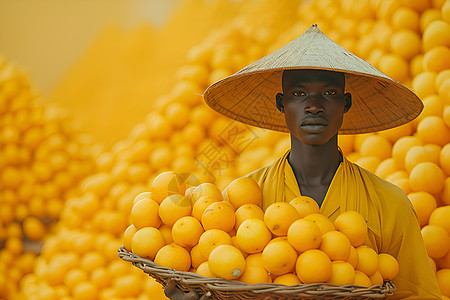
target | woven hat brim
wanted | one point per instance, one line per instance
(248, 96)
(377, 103)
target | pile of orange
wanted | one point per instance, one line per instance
(193, 228)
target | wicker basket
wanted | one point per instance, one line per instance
(218, 288)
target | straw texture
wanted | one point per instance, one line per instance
(248, 96)
(217, 288)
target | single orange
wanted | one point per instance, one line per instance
(243, 190)
(279, 216)
(313, 266)
(304, 235)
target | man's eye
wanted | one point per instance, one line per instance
(297, 94)
(330, 93)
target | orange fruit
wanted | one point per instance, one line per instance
(436, 239)
(353, 257)
(401, 147)
(253, 235)
(33, 228)
(427, 177)
(313, 266)
(367, 260)
(441, 217)
(287, 279)
(145, 214)
(321, 221)
(187, 231)
(386, 168)
(254, 275)
(437, 59)
(405, 37)
(219, 215)
(376, 279)
(85, 290)
(128, 236)
(424, 203)
(353, 225)
(212, 238)
(227, 262)
(243, 190)
(433, 130)
(279, 257)
(370, 163)
(248, 211)
(304, 235)
(200, 206)
(146, 242)
(166, 184)
(443, 278)
(173, 256)
(254, 260)
(305, 205)
(279, 216)
(141, 196)
(166, 231)
(203, 269)
(173, 208)
(387, 266)
(394, 66)
(362, 279)
(206, 189)
(376, 146)
(445, 193)
(405, 18)
(444, 159)
(342, 273)
(336, 245)
(418, 154)
(196, 257)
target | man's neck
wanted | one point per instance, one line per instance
(316, 165)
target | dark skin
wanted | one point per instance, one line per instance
(314, 103)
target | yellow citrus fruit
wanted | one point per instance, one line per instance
(212, 238)
(435, 34)
(424, 203)
(128, 236)
(362, 279)
(427, 177)
(33, 228)
(336, 245)
(380, 143)
(387, 266)
(418, 154)
(253, 235)
(187, 231)
(353, 257)
(145, 214)
(444, 159)
(370, 163)
(367, 260)
(443, 278)
(203, 269)
(200, 206)
(441, 217)
(437, 59)
(445, 193)
(279, 216)
(433, 130)
(376, 279)
(405, 18)
(166, 184)
(436, 240)
(394, 66)
(342, 273)
(173, 256)
(254, 260)
(313, 266)
(166, 231)
(196, 257)
(393, 134)
(85, 290)
(304, 235)
(321, 221)
(219, 215)
(401, 147)
(173, 208)
(433, 105)
(305, 205)
(141, 196)
(404, 37)
(248, 211)
(386, 168)
(353, 225)
(206, 189)
(226, 262)
(254, 275)
(243, 190)
(279, 257)
(287, 279)
(146, 242)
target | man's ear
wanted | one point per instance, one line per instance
(348, 102)
(280, 106)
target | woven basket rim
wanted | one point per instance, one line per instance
(188, 281)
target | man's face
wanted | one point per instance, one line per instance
(314, 104)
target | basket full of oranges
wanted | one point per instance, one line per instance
(229, 248)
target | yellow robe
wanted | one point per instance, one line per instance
(392, 223)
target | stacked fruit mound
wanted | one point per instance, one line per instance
(42, 160)
(193, 228)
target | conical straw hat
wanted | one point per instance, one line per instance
(248, 96)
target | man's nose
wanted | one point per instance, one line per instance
(314, 104)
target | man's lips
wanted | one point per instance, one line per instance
(314, 121)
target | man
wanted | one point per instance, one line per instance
(322, 90)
